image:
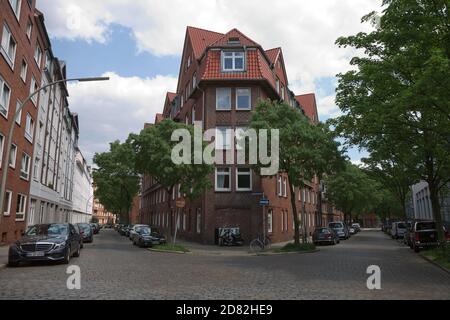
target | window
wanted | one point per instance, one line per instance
(278, 86)
(223, 179)
(5, 94)
(37, 163)
(223, 138)
(25, 167)
(13, 156)
(184, 221)
(23, 71)
(280, 186)
(21, 205)
(48, 61)
(33, 88)
(270, 221)
(19, 114)
(38, 55)
(233, 61)
(243, 179)
(223, 99)
(7, 203)
(2, 142)
(9, 46)
(285, 187)
(188, 62)
(29, 128)
(243, 99)
(16, 5)
(241, 136)
(29, 28)
(282, 93)
(199, 220)
(194, 81)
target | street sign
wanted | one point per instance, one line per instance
(181, 203)
(264, 202)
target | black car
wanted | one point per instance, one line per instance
(95, 228)
(123, 229)
(86, 232)
(148, 236)
(46, 242)
(325, 235)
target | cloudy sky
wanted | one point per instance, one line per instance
(138, 44)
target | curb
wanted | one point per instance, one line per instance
(284, 253)
(3, 266)
(167, 251)
(435, 263)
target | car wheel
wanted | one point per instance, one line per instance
(416, 249)
(78, 252)
(67, 256)
(13, 264)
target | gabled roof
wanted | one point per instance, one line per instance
(308, 103)
(171, 96)
(273, 54)
(201, 38)
(234, 33)
(159, 118)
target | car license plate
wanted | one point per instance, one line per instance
(36, 254)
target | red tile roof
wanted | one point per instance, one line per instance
(171, 96)
(159, 118)
(201, 38)
(234, 33)
(272, 54)
(308, 103)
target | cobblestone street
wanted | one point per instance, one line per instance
(112, 268)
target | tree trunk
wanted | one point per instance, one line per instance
(436, 207)
(294, 212)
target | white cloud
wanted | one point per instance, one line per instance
(111, 110)
(327, 107)
(306, 30)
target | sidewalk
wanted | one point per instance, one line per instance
(205, 249)
(3, 256)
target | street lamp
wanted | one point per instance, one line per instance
(5, 164)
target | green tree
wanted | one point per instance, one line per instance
(399, 91)
(116, 181)
(153, 156)
(352, 191)
(305, 150)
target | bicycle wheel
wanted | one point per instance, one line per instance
(267, 243)
(256, 245)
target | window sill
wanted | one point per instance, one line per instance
(223, 191)
(223, 109)
(242, 109)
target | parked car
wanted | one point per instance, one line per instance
(46, 242)
(136, 227)
(86, 232)
(148, 237)
(357, 227)
(351, 231)
(325, 235)
(123, 229)
(128, 229)
(95, 228)
(423, 234)
(340, 228)
(406, 235)
(398, 230)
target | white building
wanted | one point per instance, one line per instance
(422, 208)
(83, 193)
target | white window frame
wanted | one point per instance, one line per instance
(6, 43)
(2, 143)
(199, 221)
(23, 207)
(33, 88)
(193, 115)
(278, 85)
(224, 142)
(38, 55)
(36, 167)
(234, 55)
(19, 115)
(8, 201)
(194, 81)
(8, 99)
(270, 221)
(244, 174)
(29, 128)
(17, 9)
(25, 172)
(29, 29)
(242, 95)
(223, 174)
(285, 187)
(280, 186)
(223, 90)
(13, 156)
(23, 73)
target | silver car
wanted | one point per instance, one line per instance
(133, 231)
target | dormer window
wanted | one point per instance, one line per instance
(234, 41)
(233, 61)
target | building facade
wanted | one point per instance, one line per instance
(83, 192)
(421, 202)
(21, 66)
(102, 215)
(222, 77)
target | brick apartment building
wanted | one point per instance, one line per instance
(21, 63)
(222, 76)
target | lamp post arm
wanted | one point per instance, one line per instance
(5, 160)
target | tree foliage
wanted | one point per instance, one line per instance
(397, 97)
(305, 150)
(116, 181)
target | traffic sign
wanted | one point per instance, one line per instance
(264, 202)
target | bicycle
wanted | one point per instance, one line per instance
(260, 243)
